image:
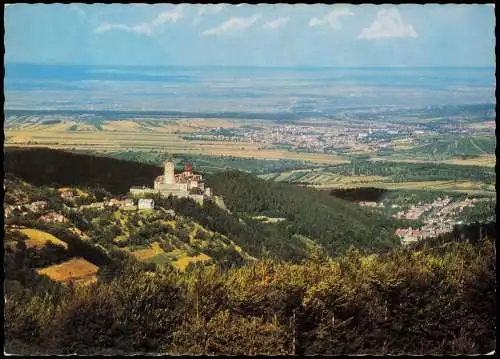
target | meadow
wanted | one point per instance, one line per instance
(38, 239)
(78, 270)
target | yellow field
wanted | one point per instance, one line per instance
(121, 135)
(76, 269)
(144, 254)
(356, 181)
(460, 186)
(39, 238)
(489, 161)
(183, 262)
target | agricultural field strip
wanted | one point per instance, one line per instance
(75, 268)
(437, 185)
(39, 238)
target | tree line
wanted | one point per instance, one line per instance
(438, 298)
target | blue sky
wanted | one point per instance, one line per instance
(251, 35)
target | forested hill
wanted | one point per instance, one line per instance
(48, 167)
(335, 223)
(332, 223)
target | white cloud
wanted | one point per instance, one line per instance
(209, 9)
(387, 23)
(232, 25)
(173, 15)
(274, 24)
(146, 28)
(331, 20)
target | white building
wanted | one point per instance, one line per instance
(146, 203)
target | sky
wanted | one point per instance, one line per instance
(341, 35)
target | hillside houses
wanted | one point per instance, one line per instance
(442, 207)
(54, 218)
(120, 203)
(37, 206)
(438, 218)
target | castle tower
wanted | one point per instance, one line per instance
(168, 174)
(188, 168)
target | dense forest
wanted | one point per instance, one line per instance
(48, 167)
(437, 297)
(370, 194)
(309, 212)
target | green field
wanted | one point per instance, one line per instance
(391, 175)
(442, 148)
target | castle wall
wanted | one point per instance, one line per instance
(176, 193)
(142, 191)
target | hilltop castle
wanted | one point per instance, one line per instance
(185, 184)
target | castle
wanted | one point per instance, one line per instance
(185, 184)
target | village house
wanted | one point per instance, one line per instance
(95, 205)
(145, 203)
(170, 212)
(128, 202)
(53, 217)
(37, 206)
(67, 194)
(113, 202)
(116, 202)
(368, 204)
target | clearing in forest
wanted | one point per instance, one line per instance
(39, 238)
(76, 269)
